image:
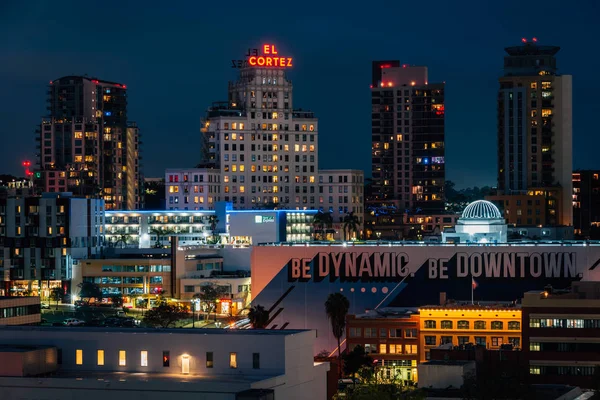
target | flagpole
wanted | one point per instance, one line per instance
(472, 289)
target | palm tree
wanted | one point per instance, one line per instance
(123, 239)
(336, 307)
(259, 317)
(350, 225)
(213, 222)
(160, 233)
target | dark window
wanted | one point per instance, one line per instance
(256, 360)
(166, 359)
(209, 359)
(430, 324)
(446, 324)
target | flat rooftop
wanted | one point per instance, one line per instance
(383, 243)
(133, 377)
(447, 362)
(182, 331)
(21, 349)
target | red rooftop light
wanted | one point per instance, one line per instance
(95, 81)
(385, 66)
(534, 39)
(524, 40)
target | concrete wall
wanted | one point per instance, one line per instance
(443, 376)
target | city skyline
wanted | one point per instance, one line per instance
(187, 83)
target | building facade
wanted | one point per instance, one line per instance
(586, 203)
(560, 335)
(490, 326)
(86, 144)
(20, 310)
(264, 146)
(341, 192)
(391, 337)
(192, 189)
(535, 130)
(42, 237)
(187, 363)
(408, 164)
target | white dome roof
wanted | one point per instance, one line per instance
(481, 209)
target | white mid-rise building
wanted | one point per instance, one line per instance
(265, 148)
(159, 363)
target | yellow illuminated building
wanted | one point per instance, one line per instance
(462, 324)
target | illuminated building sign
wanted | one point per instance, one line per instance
(373, 267)
(260, 219)
(268, 57)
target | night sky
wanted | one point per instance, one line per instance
(175, 60)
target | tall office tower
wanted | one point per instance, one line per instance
(535, 130)
(86, 146)
(408, 165)
(265, 149)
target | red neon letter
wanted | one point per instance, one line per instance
(266, 49)
(260, 61)
(269, 61)
(289, 62)
(273, 50)
(252, 60)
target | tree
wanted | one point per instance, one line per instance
(160, 233)
(376, 386)
(336, 307)
(116, 300)
(355, 360)
(89, 290)
(165, 314)
(259, 317)
(123, 239)
(213, 221)
(351, 223)
(209, 294)
(57, 294)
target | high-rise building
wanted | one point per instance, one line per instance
(586, 203)
(86, 145)
(535, 129)
(41, 237)
(408, 164)
(266, 149)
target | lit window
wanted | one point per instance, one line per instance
(233, 360)
(100, 357)
(533, 346)
(144, 358)
(79, 357)
(122, 358)
(410, 349)
(382, 348)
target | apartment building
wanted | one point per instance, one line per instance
(535, 130)
(86, 144)
(42, 237)
(192, 189)
(560, 334)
